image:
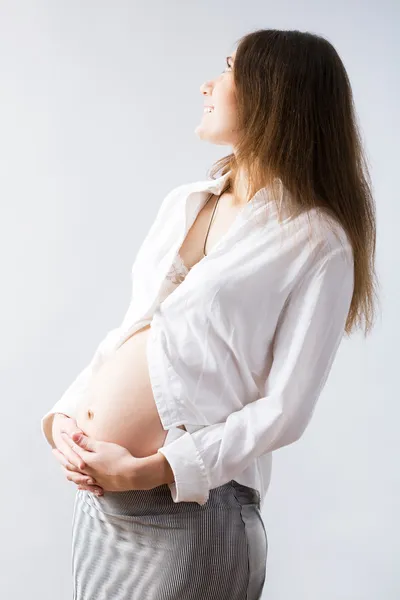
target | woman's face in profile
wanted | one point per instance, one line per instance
(219, 125)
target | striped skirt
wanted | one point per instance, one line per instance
(141, 545)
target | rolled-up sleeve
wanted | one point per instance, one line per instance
(309, 331)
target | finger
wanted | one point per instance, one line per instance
(65, 462)
(69, 453)
(66, 423)
(62, 460)
(84, 441)
(60, 456)
(91, 488)
(81, 452)
(78, 478)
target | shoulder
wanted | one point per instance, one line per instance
(314, 246)
(328, 231)
(313, 234)
(320, 234)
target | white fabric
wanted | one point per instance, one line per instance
(241, 349)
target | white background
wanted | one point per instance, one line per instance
(99, 102)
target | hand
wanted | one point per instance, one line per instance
(70, 461)
(110, 465)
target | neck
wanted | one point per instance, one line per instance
(239, 189)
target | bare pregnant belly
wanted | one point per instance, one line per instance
(120, 406)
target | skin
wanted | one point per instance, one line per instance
(109, 466)
(101, 466)
(72, 465)
(220, 126)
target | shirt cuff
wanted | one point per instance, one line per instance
(191, 482)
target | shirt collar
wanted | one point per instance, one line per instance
(261, 197)
(211, 185)
(217, 185)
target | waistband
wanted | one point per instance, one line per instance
(138, 503)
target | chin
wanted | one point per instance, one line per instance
(201, 134)
(208, 136)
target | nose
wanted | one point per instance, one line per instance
(205, 88)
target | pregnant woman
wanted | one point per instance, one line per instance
(241, 293)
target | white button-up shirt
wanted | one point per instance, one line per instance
(239, 351)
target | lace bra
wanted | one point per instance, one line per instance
(175, 276)
(179, 270)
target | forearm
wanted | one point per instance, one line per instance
(151, 471)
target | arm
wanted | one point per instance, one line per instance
(71, 398)
(307, 337)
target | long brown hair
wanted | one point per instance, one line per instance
(298, 125)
